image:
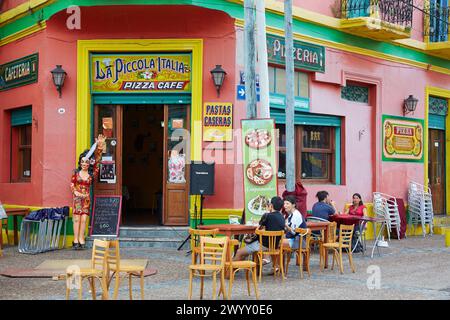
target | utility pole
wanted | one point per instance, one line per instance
(250, 58)
(290, 146)
(263, 67)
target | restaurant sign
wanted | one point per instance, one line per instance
(307, 56)
(19, 72)
(402, 139)
(260, 166)
(144, 73)
(218, 121)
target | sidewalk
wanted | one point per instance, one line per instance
(412, 268)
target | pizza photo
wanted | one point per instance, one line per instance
(258, 138)
(259, 172)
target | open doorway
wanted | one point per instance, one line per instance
(143, 160)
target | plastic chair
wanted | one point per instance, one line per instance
(213, 252)
(121, 271)
(345, 242)
(195, 235)
(234, 266)
(273, 250)
(97, 271)
(304, 234)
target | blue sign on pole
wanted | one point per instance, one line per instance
(240, 89)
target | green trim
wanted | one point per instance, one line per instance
(21, 116)
(236, 11)
(436, 121)
(120, 98)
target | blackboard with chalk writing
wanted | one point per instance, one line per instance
(105, 218)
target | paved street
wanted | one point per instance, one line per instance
(413, 268)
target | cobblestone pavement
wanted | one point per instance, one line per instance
(412, 268)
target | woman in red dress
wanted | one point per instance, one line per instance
(81, 182)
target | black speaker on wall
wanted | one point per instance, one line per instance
(202, 179)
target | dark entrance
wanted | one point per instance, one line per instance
(142, 161)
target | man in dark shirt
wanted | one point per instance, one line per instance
(273, 221)
(325, 207)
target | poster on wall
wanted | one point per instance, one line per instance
(128, 73)
(260, 166)
(218, 121)
(402, 139)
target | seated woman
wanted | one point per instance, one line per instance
(294, 220)
(357, 207)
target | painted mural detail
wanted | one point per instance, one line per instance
(218, 121)
(19, 72)
(260, 166)
(141, 73)
(307, 56)
(402, 139)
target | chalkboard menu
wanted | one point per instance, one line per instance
(106, 216)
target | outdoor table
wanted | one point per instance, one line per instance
(317, 226)
(14, 212)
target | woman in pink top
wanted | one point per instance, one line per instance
(357, 208)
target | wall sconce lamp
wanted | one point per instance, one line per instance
(218, 74)
(59, 75)
(409, 104)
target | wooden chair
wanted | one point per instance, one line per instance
(303, 251)
(98, 271)
(234, 266)
(119, 271)
(276, 251)
(331, 239)
(195, 240)
(213, 252)
(345, 242)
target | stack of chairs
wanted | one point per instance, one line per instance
(385, 206)
(420, 206)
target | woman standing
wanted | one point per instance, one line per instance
(81, 182)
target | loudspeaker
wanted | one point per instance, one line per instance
(202, 179)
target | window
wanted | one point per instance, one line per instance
(314, 150)
(21, 145)
(277, 82)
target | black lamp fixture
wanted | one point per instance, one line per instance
(59, 75)
(218, 74)
(410, 104)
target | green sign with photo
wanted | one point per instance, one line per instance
(307, 56)
(260, 166)
(19, 72)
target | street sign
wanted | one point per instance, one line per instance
(240, 89)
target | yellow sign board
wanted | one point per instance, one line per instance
(402, 139)
(217, 121)
(125, 73)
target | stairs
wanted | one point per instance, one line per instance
(151, 237)
(441, 224)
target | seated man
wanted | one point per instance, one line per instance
(325, 207)
(273, 221)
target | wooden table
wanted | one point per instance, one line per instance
(230, 230)
(14, 212)
(317, 226)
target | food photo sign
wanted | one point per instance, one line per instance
(217, 121)
(402, 139)
(260, 166)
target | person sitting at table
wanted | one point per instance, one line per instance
(294, 220)
(325, 207)
(357, 208)
(273, 221)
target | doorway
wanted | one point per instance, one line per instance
(142, 160)
(436, 169)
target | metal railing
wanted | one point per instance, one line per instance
(399, 12)
(437, 23)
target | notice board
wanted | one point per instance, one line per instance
(105, 218)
